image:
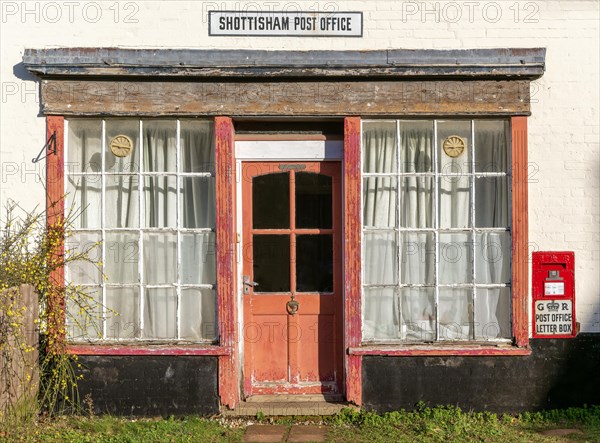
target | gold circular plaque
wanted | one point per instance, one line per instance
(454, 146)
(121, 145)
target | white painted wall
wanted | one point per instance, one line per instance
(564, 128)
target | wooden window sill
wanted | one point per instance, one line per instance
(139, 349)
(440, 350)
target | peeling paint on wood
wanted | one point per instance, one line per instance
(488, 62)
(520, 232)
(438, 350)
(147, 350)
(226, 259)
(324, 98)
(352, 256)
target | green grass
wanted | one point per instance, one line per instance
(440, 424)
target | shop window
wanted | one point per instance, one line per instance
(436, 230)
(144, 191)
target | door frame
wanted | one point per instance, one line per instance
(298, 148)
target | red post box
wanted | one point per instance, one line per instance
(553, 292)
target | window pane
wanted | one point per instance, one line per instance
(122, 201)
(416, 202)
(491, 202)
(416, 146)
(271, 201)
(130, 161)
(313, 200)
(197, 146)
(198, 259)
(379, 145)
(198, 321)
(160, 144)
(492, 313)
(454, 202)
(160, 313)
(160, 201)
(381, 314)
(380, 200)
(314, 263)
(454, 146)
(271, 263)
(198, 205)
(86, 270)
(121, 257)
(84, 196)
(455, 262)
(417, 255)
(380, 261)
(85, 146)
(418, 314)
(491, 146)
(492, 257)
(123, 316)
(84, 314)
(160, 258)
(455, 313)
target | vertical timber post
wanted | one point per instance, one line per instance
(226, 263)
(520, 232)
(352, 258)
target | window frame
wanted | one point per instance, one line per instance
(353, 269)
(223, 347)
(139, 231)
(436, 230)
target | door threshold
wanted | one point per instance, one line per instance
(293, 398)
(286, 405)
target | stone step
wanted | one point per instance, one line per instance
(274, 408)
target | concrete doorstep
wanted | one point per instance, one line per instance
(281, 433)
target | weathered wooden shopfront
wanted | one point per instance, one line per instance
(348, 223)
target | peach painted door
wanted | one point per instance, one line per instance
(292, 282)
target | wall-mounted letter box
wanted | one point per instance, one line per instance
(553, 292)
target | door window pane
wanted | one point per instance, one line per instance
(313, 200)
(271, 201)
(314, 263)
(271, 263)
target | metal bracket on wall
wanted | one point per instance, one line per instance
(50, 146)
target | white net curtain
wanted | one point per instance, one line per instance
(154, 212)
(436, 240)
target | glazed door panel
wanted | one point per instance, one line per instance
(292, 282)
